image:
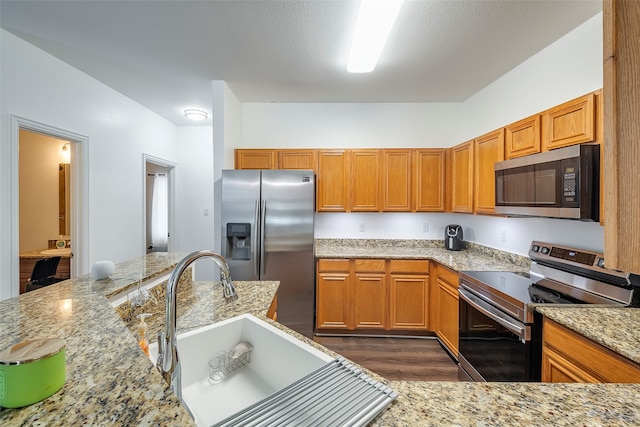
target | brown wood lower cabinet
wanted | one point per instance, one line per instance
(570, 357)
(372, 294)
(446, 307)
(334, 306)
(409, 294)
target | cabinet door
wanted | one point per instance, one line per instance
(447, 309)
(333, 181)
(429, 180)
(462, 177)
(297, 159)
(569, 356)
(489, 150)
(370, 294)
(255, 159)
(409, 295)
(365, 180)
(523, 137)
(370, 301)
(570, 123)
(333, 308)
(396, 180)
(557, 369)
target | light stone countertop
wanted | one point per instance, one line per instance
(111, 382)
(473, 258)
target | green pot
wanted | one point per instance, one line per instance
(31, 371)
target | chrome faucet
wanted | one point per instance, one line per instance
(168, 362)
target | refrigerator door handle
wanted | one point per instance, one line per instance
(263, 259)
(254, 238)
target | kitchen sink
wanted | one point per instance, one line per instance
(276, 361)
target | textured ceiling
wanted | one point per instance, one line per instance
(164, 54)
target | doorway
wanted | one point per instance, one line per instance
(158, 188)
(75, 199)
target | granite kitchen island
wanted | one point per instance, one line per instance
(110, 381)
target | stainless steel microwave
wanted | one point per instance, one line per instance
(562, 183)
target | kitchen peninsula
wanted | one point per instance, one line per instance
(111, 382)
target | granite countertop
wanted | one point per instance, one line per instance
(473, 258)
(117, 385)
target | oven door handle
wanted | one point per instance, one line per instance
(494, 314)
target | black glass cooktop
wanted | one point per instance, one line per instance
(518, 287)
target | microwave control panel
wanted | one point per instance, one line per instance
(570, 179)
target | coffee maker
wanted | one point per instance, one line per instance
(453, 239)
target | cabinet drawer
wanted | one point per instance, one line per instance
(409, 266)
(333, 265)
(449, 276)
(369, 265)
(588, 356)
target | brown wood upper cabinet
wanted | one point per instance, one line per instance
(429, 180)
(365, 180)
(489, 150)
(523, 137)
(252, 158)
(297, 159)
(256, 158)
(570, 123)
(333, 181)
(396, 180)
(621, 30)
(462, 162)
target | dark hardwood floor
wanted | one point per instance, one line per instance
(396, 359)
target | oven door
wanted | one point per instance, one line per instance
(493, 346)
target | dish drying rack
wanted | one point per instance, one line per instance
(226, 362)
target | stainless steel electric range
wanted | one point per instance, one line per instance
(500, 331)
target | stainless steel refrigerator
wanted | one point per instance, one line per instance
(267, 234)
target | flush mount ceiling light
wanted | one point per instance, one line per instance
(195, 114)
(375, 19)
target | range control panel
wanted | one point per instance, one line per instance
(541, 250)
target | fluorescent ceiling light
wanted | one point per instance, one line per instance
(194, 114)
(374, 23)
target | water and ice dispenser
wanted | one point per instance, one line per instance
(239, 240)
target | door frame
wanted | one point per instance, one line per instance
(147, 158)
(79, 196)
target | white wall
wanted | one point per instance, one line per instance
(568, 68)
(194, 191)
(39, 87)
(273, 125)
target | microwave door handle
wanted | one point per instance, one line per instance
(493, 314)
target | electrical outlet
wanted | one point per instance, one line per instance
(206, 212)
(425, 227)
(503, 235)
(362, 227)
